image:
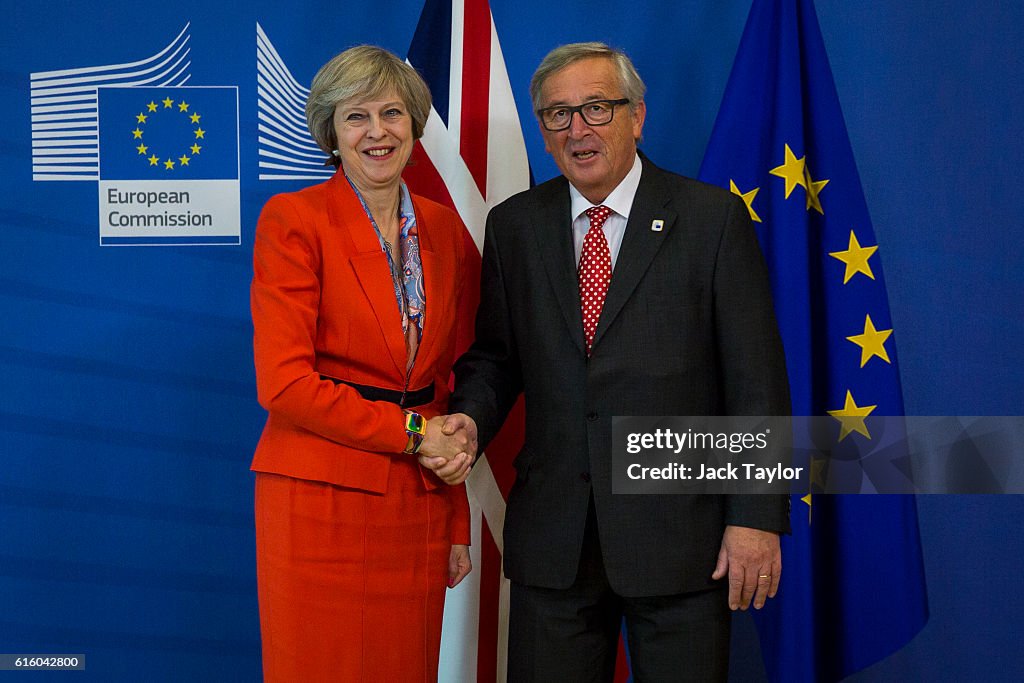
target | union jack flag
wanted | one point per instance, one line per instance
(472, 156)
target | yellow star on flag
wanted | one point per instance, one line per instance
(748, 199)
(183, 106)
(154, 160)
(856, 258)
(871, 342)
(199, 133)
(141, 118)
(792, 171)
(142, 149)
(195, 118)
(195, 148)
(814, 188)
(137, 134)
(168, 103)
(151, 106)
(168, 164)
(851, 417)
(184, 160)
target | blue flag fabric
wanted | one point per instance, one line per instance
(853, 586)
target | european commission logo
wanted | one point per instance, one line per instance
(169, 166)
(165, 154)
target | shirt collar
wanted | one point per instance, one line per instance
(621, 198)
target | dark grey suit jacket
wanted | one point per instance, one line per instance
(687, 328)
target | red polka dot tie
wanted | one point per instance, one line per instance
(595, 272)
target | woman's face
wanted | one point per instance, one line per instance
(374, 140)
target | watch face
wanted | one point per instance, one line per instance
(414, 423)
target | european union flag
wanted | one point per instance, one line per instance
(853, 587)
(169, 133)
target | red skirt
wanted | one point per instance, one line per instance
(351, 584)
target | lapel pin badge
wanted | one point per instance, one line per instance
(657, 225)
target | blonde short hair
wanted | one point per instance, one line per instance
(358, 74)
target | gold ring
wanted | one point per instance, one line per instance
(763, 576)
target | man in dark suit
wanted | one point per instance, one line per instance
(619, 289)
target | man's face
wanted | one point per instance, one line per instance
(595, 159)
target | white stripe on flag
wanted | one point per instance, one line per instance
(455, 76)
(462, 615)
(508, 169)
(444, 154)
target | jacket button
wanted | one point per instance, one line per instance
(591, 416)
(585, 476)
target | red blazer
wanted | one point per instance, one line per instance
(323, 303)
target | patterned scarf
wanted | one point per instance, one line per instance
(408, 279)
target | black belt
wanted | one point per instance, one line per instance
(420, 397)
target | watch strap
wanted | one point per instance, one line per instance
(415, 428)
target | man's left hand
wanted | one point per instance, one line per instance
(753, 560)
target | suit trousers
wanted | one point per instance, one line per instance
(573, 634)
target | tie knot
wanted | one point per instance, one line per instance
(598, 215)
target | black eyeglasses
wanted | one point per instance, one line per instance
(594, 113)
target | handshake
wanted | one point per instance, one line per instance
(449, 447)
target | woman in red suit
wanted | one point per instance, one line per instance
(356, 297)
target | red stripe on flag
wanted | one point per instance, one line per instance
(423, 179)
(490, 587)
(476, 74)
(622, 672)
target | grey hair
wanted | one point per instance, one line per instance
(362, 73)
(629, 80)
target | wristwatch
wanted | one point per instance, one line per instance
(416, 428)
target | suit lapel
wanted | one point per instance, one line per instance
(639, 244)
(370, 265)
(553, 231)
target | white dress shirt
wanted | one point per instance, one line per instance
(619, 201)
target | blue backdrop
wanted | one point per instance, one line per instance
(128, 413)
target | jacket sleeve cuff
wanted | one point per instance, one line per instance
(765, 512)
